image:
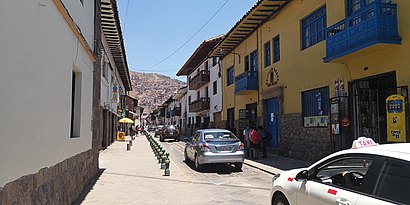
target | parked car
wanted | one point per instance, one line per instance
(158, 131)
(211, 146)
(169, 132)
(367, 173)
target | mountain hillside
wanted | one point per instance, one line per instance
(152, 89)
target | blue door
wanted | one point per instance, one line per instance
(272, 117)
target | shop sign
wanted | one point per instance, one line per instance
(120, 136)
(396, 119)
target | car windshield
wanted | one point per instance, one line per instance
(219, 136)
(171, 127)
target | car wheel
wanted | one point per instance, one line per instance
(280, 200)
(197, 165)
(238, 166)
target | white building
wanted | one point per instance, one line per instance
(180, 113)
(115, 79)
(47, 57)
(197, 70)
(215, 92)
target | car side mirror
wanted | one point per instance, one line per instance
(302, 176)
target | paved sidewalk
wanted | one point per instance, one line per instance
(132, 177)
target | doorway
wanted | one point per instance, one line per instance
(368, 105)
(272, 116)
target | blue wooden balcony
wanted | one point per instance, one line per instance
(246, 82)
(367, 31)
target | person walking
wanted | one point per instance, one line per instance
(264, 140)
(247, 139)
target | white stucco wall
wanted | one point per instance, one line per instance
(37, 55)
(216, 100)
(83, 15)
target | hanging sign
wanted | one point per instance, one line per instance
(396, 119)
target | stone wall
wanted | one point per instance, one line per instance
(59, 184)
(310, 144)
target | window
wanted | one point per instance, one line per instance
(347, 172)
(215, 89)
(394, 182)
(75, 104)
(189, 122)
(315, 107)
(206, 92)
(214, 61)
(247, 63)
(276, 49)
(267, 54)
(231, 75)
(198, 95)
(189, 99)
(314, 28)
(254, 61)
(357, 5)
(206, 65)
(105, 69)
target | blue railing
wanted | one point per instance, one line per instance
(246, 81)
(377, 23)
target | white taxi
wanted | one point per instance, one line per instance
(367, 174)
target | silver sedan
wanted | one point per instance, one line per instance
(211, 146)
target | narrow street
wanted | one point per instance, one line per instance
(134, 177)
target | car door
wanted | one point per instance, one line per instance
(328, 184)
(392, 186)
(193, 145)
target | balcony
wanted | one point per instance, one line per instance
(365, 32)
(199, 105)
(246, 82)
(176, 111)
(199, 80)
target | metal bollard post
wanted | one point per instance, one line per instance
(159, 158)
(128, 147)
(163, 159)
(130, 142)
(167, 171)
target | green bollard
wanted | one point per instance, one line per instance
(167, 171)
(160, 157)
(164, 158)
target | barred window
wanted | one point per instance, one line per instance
(315, 107)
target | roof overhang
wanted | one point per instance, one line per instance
(111, 28)
(200, 54)
(261, 12)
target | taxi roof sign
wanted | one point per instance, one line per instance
(363, 142)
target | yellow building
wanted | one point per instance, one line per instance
(317, 73)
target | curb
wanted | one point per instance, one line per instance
(262, 167)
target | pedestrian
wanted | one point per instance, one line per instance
(247, 139)
(254, 140)
(264, 134)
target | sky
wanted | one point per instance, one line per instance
(154, 29)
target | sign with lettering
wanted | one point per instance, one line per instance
(363, 142)
(396, 118)
(272, 77)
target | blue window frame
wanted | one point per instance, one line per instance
(231, 75)
(267, 54)
(314, 28)
(315, 107)
(254, 61)
(276, 49)
(357, 5)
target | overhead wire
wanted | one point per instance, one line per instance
(186, 42)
